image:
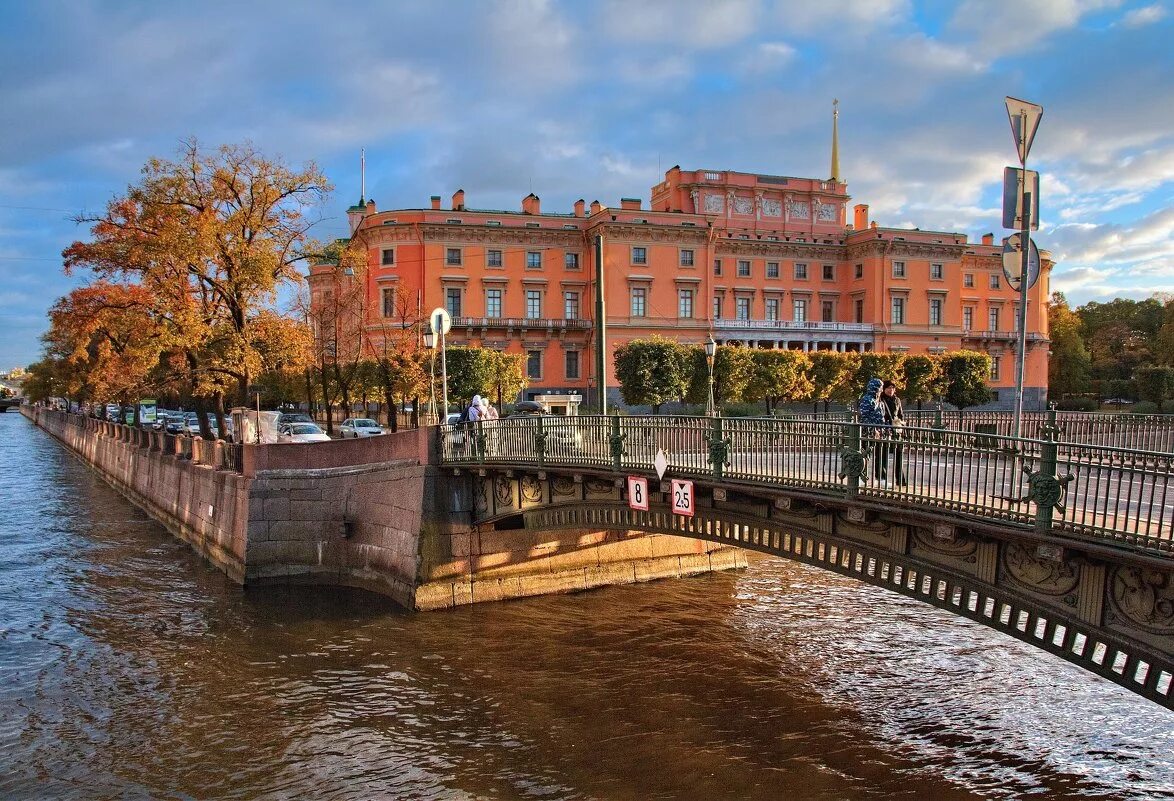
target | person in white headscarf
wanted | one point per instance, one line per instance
(475, 409)
(487, 410)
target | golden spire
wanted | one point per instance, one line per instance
(836, 142)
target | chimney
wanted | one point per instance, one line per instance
(988, 239)
(579, 206)
(873, 225)
(458, 200)
(861, 214)
(630, 203)
(596, 206)
(436, 202)
(371, 207)
(531, 204)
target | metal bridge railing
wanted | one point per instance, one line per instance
(1085, 491)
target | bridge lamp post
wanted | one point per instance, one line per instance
(430, 343)
(710, 352)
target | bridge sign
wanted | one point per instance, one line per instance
(638, 493)
(682, 497)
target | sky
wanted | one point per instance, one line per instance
(596, 100)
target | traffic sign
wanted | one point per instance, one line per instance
(440, 321)
(1025, 119)
(660, 462)
(638, 493)
(1013, 261)
(681, 496)
(1013, 198)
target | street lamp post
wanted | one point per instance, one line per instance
(710, 352)
(430, 343)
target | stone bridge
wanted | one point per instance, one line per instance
(1064, 545)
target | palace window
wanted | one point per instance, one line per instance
(799, 310)
(533, 364)
(936, 272)
(452, 301)
(772, 269)
(742, 308)
(686, 258)
(859, 311)
(859, 270)
(898, 311)
(935, 311)
(800, 272)
(452, 256)
(387, 296)
(717, 266)
(992, 318)
(639, 255)
(968, 280)
(996, 367)
(533, 304)
(387, 256)
(828, 311)
(717, 307)
(493, 258)
(571, 261)
(743, 269)
(829, 272)
(995, 281)
(772, 308)
(493, 303)
(967, 318)
(533, 259)
(571, 305)
(685, 304)
(898, 269)
(639, 298)
(572, 360)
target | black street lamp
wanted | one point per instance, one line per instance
(710, 352)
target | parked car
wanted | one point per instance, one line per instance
(287, 417)
(192, 423)
(176, 424)
(301, 432)
(458, 435)
(562, 432)
(359, 427)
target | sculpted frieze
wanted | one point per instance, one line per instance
(779, 250)
(714, 204)
(743, 205)
(772, 208)
(798, 210)
(1144, 596)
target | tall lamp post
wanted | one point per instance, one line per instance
(710, 352)
(440, 322)
(430, 343)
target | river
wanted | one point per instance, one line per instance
(130, 669)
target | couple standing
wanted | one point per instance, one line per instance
(882, 412)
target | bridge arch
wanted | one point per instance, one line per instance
(1002, 584)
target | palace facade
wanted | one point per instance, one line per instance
(761, 260)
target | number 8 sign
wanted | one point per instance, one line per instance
(638, 493)
(682, 497)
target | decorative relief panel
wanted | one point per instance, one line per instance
(1145, 597)
(798, 210)
(1040, 575)
(714, 204)
(826, 211)
(772, 208)
(743, 205)
(503, 491)
(562, 486)
(959, 546)
(480, 497)
(531, 489)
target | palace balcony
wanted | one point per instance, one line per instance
(522, 323)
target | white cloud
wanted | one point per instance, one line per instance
(1004, 27)
(693, 23)
(768, 57)
(1146, 15)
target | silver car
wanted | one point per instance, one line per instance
(359, 427)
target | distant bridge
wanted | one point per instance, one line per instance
(10, 403)
(1065, 545)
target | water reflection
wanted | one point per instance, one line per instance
(130, 669)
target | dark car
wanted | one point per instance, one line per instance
(527, 408)
(285, 418)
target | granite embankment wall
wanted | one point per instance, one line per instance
(370, 513)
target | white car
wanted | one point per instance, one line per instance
(360, 427)
(301, 432)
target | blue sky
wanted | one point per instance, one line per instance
(595, 100)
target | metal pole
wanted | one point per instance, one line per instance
(1025, 244)
(600, 327)
(432, 387)
(710, 406)
(443, 371)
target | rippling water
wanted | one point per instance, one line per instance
(130, 669)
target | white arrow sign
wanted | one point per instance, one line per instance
(440, 320)
(1024, 118)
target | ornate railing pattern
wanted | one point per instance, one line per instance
(1110, 494)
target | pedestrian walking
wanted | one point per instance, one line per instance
(489, 414)
(873, 423)
(895, 417)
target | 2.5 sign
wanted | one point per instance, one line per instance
(638, 493)
(682, 497)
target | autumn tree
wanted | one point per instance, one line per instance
(212, 237)
(780, 376)
(1069, 366)
(922, 379)
(832, 377)
(507, 375)
(966, 374)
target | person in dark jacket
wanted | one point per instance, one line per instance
(873, 423)
(894, 414)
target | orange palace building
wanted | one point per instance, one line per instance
(764, 261)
